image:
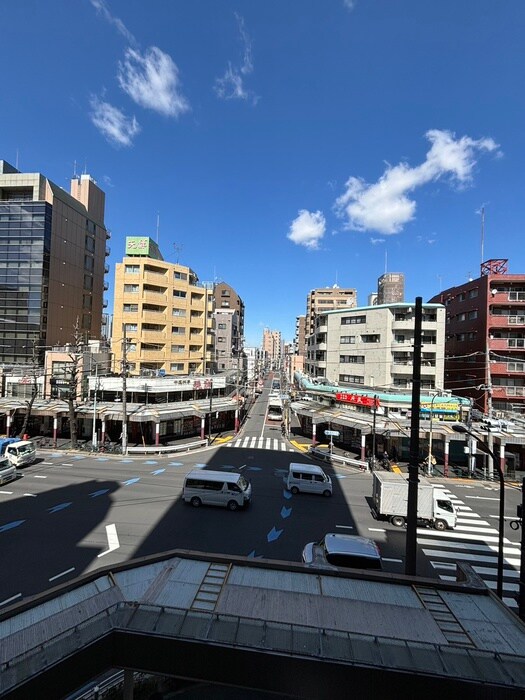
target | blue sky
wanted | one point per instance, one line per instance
(283, 144)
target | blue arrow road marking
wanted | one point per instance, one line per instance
(79, 457)
(102, 459)
(126, 461)
(285, 512)
(60, 506)
(158, 471)
(94, 494)
(131, 481)
(151, 461)
(253, 555)
(287, 494)
(11, 525)
(175, 464)
(273, 534)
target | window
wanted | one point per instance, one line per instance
(89, 263)
(180, 275)
(87, 302)
(352, 359)
(401, 317)
(516, 366)
(179, 293)
(131, 288)
(225, 293)
(351, 379)
(428, 339)
(462, 296)
(221, 326)
(473, 294)
(399, 338)
(176, 366)
(461, 317)
(177, 330)
(131, 269)
(472, 315)
(89, 244)
(130, 308)
(516, 342)
(130, 327)
(177, 348)
(351, 320)
(371, 338)
(88, 282)
(348, 340)
(221, 339)
(460, 337)
(178, 312)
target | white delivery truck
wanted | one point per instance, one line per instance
(390, 496)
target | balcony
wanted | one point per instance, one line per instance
(321, 347)
(106, 269)
(106, 286)
(153, 336)
(322, 328)
(158, 355)
(108, 235)
(155, 278)
(107, 251)
(154, 297)
(503, 367)
(105, 304)
(402, 368)
(152, 316)
(505, 321)
(507, 392)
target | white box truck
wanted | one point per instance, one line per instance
(390, 497)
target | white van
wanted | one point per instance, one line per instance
(227, 489)
(308, 478)
(7, 471)
(21, 453)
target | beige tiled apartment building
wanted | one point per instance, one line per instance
(163, 311)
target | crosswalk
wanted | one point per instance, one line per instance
(261, 443)
(475, 541)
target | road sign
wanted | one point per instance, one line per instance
(332, 433)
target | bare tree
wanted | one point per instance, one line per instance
(73, 372)
(35, 371)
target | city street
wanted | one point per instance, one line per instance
(70, 514)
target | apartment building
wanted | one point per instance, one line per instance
(373, 346)
(52, 261)
(163, 311)
(227, 337)
(391, 288)
(300, 347)
(225, 297)
(485, 338)
(272, 349)
(318, 302)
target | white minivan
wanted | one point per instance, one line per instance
(7, 471)
(21, 453)
(308, 478)
(213, 488)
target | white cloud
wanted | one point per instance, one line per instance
(102, 9)
(231, 85)
(349, 4)
(152, 81)
(114, 125)
(385, 207)
(307, 229)
(375, 241)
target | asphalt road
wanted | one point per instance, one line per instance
(70, 514)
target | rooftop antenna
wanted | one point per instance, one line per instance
(85, 167)
(386, 261)
(440, 280)
(177, 249)
(158, 226)
(74, 169)
(482, 233)
(16, 160)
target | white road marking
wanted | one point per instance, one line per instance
(459, 535)
(346, 527)
(63, 573)
(483, 498)
(396, 561)
(10, 600)
(470, 557)
(7, 493)
(472, 547)
(377, 529)
(39, 476)
(48, 464)
(113, 542)
(33, 495)
(510, 573)
(468, 528)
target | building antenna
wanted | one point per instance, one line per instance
(74, 169)
(482, 233)
(16, 159)
(177, 248)
(158, 226)
(386, 261)
(440, 280)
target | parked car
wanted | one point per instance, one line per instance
(348, 551)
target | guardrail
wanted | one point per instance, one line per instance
(162, 449)
(335, 457)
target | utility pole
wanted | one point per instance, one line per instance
(124, 391)
(413, 467)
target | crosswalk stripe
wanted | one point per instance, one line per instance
(452, 534)
(485, 571)
(469, 528)
(470, 557)
(472, 547)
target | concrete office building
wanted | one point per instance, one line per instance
(373, 346)
(300, 336)
(226, 339)
(52, 261)
(391, 288)
(167, 314)
(485, 338)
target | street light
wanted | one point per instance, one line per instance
(458, 428)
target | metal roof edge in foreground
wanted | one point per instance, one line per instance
(270, 625)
